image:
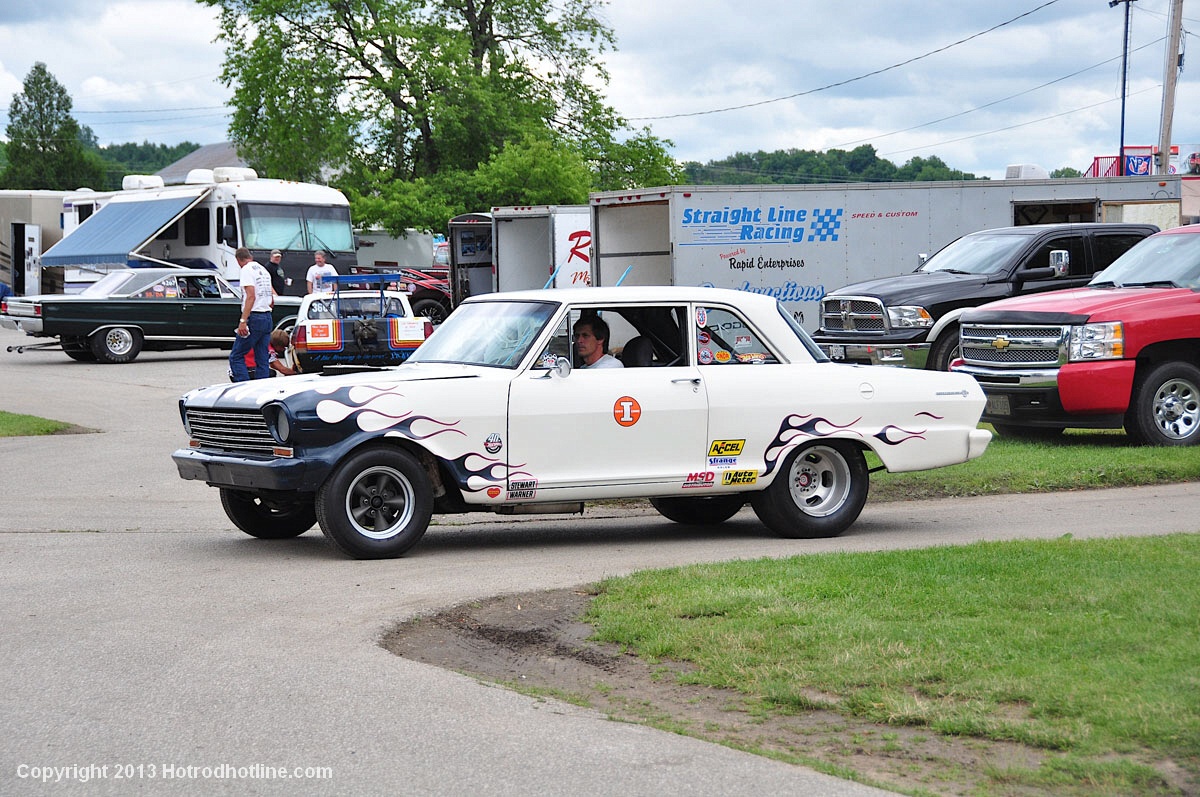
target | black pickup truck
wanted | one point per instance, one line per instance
(912, 319)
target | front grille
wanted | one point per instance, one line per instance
(241, 431)
(853, 314)
(1015, 346)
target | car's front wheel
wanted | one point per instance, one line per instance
(706, 511)
(1166, 406)
(117, 344)
(376, 504)
(268, 520)
(819, 492)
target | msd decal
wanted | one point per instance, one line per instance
(626, 411)
(702, 479)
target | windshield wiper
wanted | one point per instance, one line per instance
(1102, 284)
(1152, 284)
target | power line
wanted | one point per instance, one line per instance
(848, 80)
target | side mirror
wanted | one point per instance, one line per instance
(1060, 262)
(562, 368)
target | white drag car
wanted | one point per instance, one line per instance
(722, 400)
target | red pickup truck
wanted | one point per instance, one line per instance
(1123, 351)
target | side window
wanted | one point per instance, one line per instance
(1073, 244)
(724, 338)
(1109, 247)
(165, 288)
(195, 227)
(559, 346)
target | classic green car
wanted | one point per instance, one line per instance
(139, 309)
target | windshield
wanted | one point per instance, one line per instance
(1160, 260)
(110, 283)
(976, 254)
(497, 334)
(297, 227)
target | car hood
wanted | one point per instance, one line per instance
(257, 392)
(1078, 305)
(919, 287)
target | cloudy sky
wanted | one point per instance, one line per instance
(979, 84)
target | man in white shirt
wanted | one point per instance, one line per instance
(591, 340)
(254, 327)
(318, 271)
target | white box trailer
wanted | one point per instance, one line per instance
(200, 224)
(30, 223)
(536, 243)
(797, 242)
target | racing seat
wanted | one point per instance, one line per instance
(638, 352)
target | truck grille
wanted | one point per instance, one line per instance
(241, 431)
(1015, 346)
(853, 314)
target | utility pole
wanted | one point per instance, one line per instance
(1171, 69)
(1124, 78)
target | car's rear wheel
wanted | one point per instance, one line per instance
(268, 520)
(706, 511)
(376, 504)
(819, 492)
(432, 309)
(117, 344)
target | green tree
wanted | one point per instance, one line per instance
(429, 93)
(1066, 171)
(46, 148)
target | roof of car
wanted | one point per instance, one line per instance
(632, 293)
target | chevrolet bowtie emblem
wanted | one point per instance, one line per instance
(1000, 343)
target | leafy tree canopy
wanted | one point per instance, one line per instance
(449, 97)
(45, 148)
(792, 166)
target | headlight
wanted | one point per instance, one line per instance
(187, 427)
(909, 317)
(1097, 342)
(279, 422)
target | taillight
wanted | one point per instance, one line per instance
(299, 339)
(428, 329)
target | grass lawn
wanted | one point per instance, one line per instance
(1085, 650)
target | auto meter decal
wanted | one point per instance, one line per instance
(626, 411)
(493, 444)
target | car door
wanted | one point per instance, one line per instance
(605, 432)
(207, 309)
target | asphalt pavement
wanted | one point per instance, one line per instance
(149, 646)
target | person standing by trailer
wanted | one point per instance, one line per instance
(254, 327)
(318, 271)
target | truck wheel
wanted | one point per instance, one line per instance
(117, 344)
(1166, 406)
(273, 520)
(819, 492)
(78, 349)
(699, 511)
(946, 348)
(376, 504)
(432, 309)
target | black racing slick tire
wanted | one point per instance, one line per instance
(819, 491)
(376, 504)
(116, 345)
(706, 511)
(268, 520)
(1165, 410)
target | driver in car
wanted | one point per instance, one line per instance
(591, 343)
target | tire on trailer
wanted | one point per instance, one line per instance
(1165, 410)
(944, 349)
(432, 309)
(376, 504)
(819, 491)
(274, 520)
(706, 511)
(116, 345)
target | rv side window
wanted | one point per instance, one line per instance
(171, 233)
(195, 227)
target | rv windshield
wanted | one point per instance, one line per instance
(289, 227)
